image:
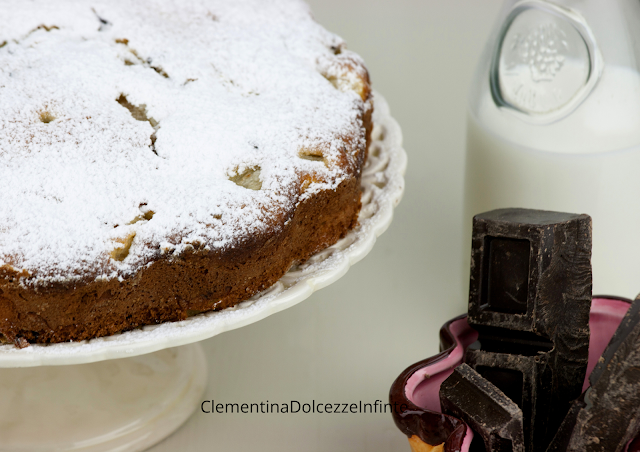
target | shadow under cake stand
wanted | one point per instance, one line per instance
(129, 391)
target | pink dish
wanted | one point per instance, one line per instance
(416, 390)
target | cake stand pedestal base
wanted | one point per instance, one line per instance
(123, 405)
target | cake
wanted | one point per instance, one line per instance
(159, 159)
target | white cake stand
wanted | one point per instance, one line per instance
(128, 391)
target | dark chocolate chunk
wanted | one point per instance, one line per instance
(486, 409)
(531, 271)
(526, 380)
(624, 333)
(529, 299)
(563, 435)
(607, 416)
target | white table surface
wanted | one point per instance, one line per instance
(349, 341)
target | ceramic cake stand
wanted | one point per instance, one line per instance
(127, 392)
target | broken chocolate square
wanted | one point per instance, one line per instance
(607, 416)
(527, 381)
(486, 409)
(529, 300)
(531, 271)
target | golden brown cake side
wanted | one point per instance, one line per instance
(174, 288)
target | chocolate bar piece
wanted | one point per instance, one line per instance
(621, 338)
(526, 380)
(560, 441)
(607, 416)
(486, 409)
(529, 299)
(531, 271)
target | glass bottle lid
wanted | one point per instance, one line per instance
(546, 61)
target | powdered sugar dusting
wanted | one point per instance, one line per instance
(221, 86)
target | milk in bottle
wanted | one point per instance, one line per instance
(554, 124)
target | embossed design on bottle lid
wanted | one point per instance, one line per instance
(546, 61)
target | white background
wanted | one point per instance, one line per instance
(349, 341)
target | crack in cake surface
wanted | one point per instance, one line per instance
(139, 113)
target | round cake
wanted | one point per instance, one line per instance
(162, 158)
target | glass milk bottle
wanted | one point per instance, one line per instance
(554, 124)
